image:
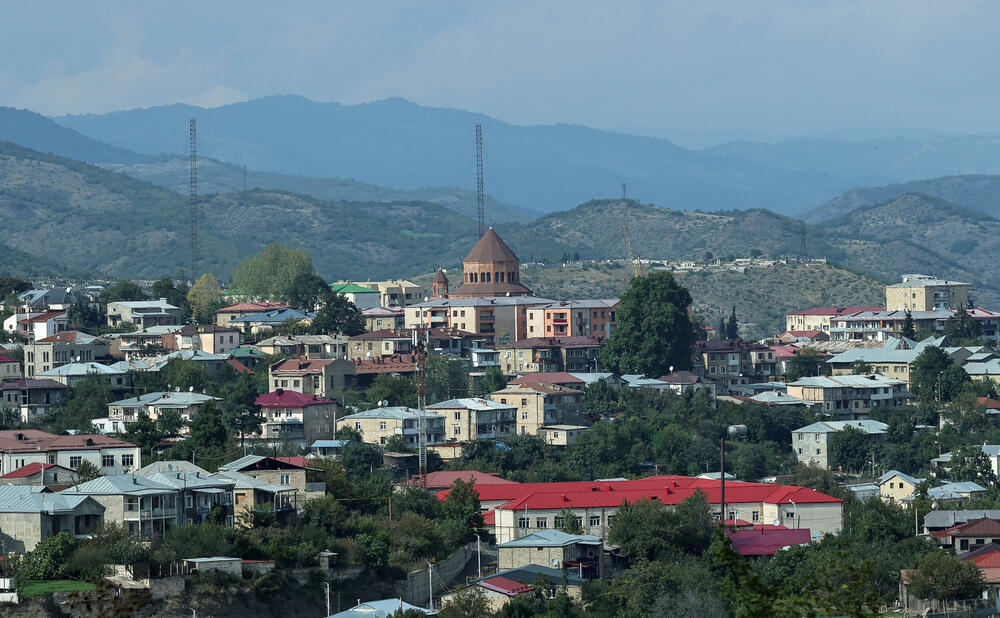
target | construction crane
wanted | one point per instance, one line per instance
(634, 263)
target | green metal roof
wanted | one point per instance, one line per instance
(351, 288)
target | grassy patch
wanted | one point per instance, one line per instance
(39, 586)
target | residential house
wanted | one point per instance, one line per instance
(969, 535)
(125, 411)
(57, 299)
(296, 417)
(212, 363)
(552, 354)
(558, 378)
(307, 482)
(392, 342)
(143, 313)
(939, 520)
(49, 475)
(29, 514)
(589, 379)
(328, 448)
(508, 584)
(211, 338)
(322, 377)
(926, 293)
(523, 509)
(893, 359)
(731, 362)
(252, 495)
(21, 447)
(144, 507)
(955, 493)
(198, 491)
(554, 548)
(310, 346)
(383, 318)
(445, 479)
(811, 444)
(240, 310)
(884, 325)
(573, 318)
(31, 400)
(73, 373)
(147, 342)
(63, 348)
(991, 451)
(986, 557)
(264, 322)
(895, 486)
(484, 357)
(541, 404)
(500, 320)
(850, 396)
(362, 297)
(391, 292)
(497, 591)
(379, 424)
(43, 325)
(637, 380)
(18, 323)
(562, 435)
(684, 381)
(802, 336)
(820, 318)
(766, 541)
(383, 608)
(476, 419)
(10, 368)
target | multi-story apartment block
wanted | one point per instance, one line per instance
(883, 325)
(391, 292)
(573, 318)
(499, 320)
(143, 313)
(209, 338)
(539, 405)
(310, 346)
(68, 346)
(30, 399)
(379, 424)
(295, 417)
(24, 446)
(552, 354)
(811, 444)
(240, 310)
(362, 297)
(925, 293)
(320, 377)
(382, 318)
(476, 419)
(731, 362)
(850, 396)
(10, 368)
(390, 342)
(820, 318)
(125, 411)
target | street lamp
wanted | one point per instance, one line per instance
(740, 432)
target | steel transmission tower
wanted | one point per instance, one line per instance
(193, 139)
(480, 197)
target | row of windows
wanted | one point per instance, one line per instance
(543, 522)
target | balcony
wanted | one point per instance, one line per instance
(315, 487)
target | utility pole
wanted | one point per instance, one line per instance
(479, 556)
(480, 196)
(430, 586)
(420, 352)
(328, 612)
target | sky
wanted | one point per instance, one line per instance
(698, 72)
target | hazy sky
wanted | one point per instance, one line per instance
(689, 70)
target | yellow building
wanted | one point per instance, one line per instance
(379, 424)
(894, 486)
(541, 404)
(924, 293)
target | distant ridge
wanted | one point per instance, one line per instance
(37, 132)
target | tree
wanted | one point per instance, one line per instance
(446, 378)
(122, 290)
(722, 330)
(961, 326)
(176, 295)
(654, 331)
(270, 273)
(87, 471)
(649, 529)
(939, 575)
(568, 522)
(462, 507)
(732, 327)
(338, 315)
(306, 291)
(471, 602)
(928, 367)
(394, 390)
(860, 368)
(88, 400)
(13, 285)
(48, 559)
(600, 399)
(205, 298)
(83, 315)
(806, 363)
(970, 463)
(169, 422)
(909, 330)
(850, 448)
(492, 381)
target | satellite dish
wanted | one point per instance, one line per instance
(78, 359)
(777, 522)
(177, 389)
(671, 368)
(190, 389)
(554, 562)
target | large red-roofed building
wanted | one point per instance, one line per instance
(21, 447)
(528, 507)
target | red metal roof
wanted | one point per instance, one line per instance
(289, 399)
(802, 333)
(506, 586)
(401, 363)
(766, 542)
(44, 317)
(28, 470)
(974, 527)
(296, 460)
(7, 359)
(446, 478)
(29, 440)
(547, 377)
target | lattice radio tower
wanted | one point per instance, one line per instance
(480, 197)
(193, 139)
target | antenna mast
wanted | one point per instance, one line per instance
(802, 250)
(480, 198)
(624, 193)
(420, 354)
(634, 263)
(193, 139)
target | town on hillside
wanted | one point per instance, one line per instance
(468, 444)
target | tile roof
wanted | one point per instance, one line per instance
(44, 317)
(298, 367)
(289, 399)
(680, 377)
(973, 527)
(547, 377)
(397, 363)
(505, 586)
(72, 336)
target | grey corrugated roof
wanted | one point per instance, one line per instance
(189, 480)
(947, 519)
(469, 403)
(867, 426)
(552, 538)
(119, 484)
(906, 477)
(393, 412)
(37, 502)
(245, 481)
(81, 369)
(170, 465)
(242, 462)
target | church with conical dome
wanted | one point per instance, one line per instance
(491, 269)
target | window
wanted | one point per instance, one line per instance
(131, 503)
(458, 416)
(800, 451)
(522, 522)
(128, 460)
(286, 479)
(381, 425)
(524, 415)
(755, 515)
(188, 501)
(819, 451)
(789, 515)
(542, 522)
(74, 461)
(52, 458)
(524, 401)
(595, 520)
(357, 425)
(108, 461)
